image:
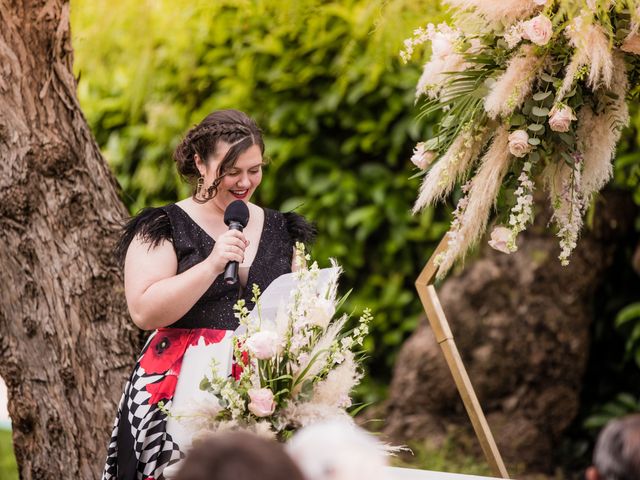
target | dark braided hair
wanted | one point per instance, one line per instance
(231, 126)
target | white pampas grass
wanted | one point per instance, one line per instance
(597, 135)
(447, 171)
(514, 85)
(338, 451)
(482, 196)
(334, 390)
(593, 50)
(434, 74)
(318, 355)
(506, 11)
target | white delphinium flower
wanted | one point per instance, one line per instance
(522, 212)
(232, 400)
(513, 35)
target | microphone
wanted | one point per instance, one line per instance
(236, 216)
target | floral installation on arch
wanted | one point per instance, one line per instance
(290, 373)
(532, 94)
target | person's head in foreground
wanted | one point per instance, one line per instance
(237, 456)
(617, 452)
(337, 450)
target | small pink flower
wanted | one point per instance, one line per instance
(422, 157)
(263, 344)
(539, 30)
(262, 404)
(519, 143)
(500, 239)
(560, 118)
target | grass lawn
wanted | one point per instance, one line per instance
(8, 468)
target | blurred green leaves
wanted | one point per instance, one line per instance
(323, 80)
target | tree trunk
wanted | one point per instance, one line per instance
(522, 325)
(66, 343)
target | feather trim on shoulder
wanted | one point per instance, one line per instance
(299, 228)
(153, 226)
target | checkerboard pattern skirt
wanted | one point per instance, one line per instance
(140, 447)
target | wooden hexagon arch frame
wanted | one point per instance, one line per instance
(444, 337)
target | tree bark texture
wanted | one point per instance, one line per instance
(522, 325)
(66, 342)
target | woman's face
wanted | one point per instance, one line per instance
(240, 181)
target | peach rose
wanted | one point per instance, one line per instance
(500, 239)
(519, 143)
(422, 158)
(261, 404)
(539, 30)
(560, 118)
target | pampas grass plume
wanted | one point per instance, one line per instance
(514, 85)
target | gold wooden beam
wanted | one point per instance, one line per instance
(444, 337)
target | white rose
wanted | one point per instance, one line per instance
(500, 239)
(321, 313)
(263, 344)
(539, 30)
(519, 143)
(560, 118)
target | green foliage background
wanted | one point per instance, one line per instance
(324, 81)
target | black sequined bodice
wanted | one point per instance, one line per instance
(192, 245)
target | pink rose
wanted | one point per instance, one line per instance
(422, 158)
(262, 404)
(631, 44)
(560, 118)
(519, 143)
(539, 30)
(263, 344)
(500, 239)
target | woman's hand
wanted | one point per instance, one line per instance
(229, 247)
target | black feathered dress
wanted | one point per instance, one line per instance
(141, 446)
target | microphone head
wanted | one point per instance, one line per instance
(237, 212)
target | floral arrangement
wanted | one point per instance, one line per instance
(532, 94)
(291, 371)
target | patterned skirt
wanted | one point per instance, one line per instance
(143, 442)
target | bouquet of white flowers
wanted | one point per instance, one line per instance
(530, 93)
(293, 370)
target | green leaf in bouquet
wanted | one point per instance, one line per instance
(630, 312)
(539, 96)
(534, 141)
(526, 108)
(571, 93)
(517, 120)
(359, 408)
(540, 111)
(548, 78)
(205, 384)
(568, 159)
(568, 139)
(343, 299)
(279, 393)
(537, 128)
(534, 157)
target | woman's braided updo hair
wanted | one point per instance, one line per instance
(230, 126)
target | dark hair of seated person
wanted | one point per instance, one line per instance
(237, 456)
